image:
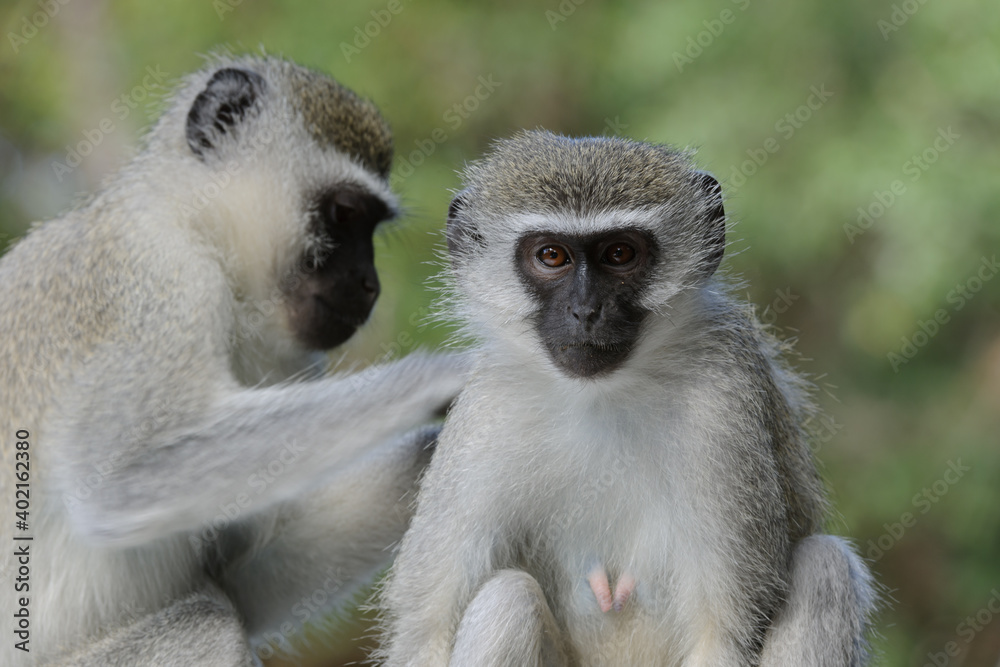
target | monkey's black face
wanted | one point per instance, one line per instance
(333, 290)
(589, 290)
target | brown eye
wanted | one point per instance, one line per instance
(619, 254)
(553, 256)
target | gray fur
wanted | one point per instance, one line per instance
(686, 469)
(820, 623)
(201, 630)
(337, 117)
(543, 172)
(508, 623)
(144, 346)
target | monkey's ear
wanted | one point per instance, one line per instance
(715, 221)
(460, 233)
(224, 103)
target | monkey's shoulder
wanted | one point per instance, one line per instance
(90, 288)
(728, 349)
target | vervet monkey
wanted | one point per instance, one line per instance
(626, 478)
(188, 498)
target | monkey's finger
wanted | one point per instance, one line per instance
(598, 580)
(623, 590)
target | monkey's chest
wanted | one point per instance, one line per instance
(634, 558)
(619, 489)
(624, 529)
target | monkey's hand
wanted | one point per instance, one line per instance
(438, 376)
(598, 580)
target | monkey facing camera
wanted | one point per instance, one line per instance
(189, 486)
(626, 478)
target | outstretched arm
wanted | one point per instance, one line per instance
(213, 445)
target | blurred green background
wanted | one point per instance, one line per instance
(857, 142)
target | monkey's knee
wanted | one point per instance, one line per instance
(201, 630)
(831, 597)
(825, 566)
(509, 622)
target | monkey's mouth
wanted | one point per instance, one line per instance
(322, 324)
(599, 348)
(345, 315)
(589, 359)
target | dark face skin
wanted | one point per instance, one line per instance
(589, 291)
(332, 293)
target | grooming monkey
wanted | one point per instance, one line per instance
(626, 479)
(186, 496)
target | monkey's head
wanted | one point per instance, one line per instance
(285, 174)
(581, 246)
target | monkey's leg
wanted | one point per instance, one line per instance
(202, 630)
(825, 619)
(509, 623)
(330, 542)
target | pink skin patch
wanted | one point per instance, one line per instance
(623, 589)
(598, 579)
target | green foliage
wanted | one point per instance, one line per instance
(733, 78)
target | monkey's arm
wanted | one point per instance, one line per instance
(824, 621)
(169, 450)
(327, 542)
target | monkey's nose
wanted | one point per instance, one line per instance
(585, 314)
